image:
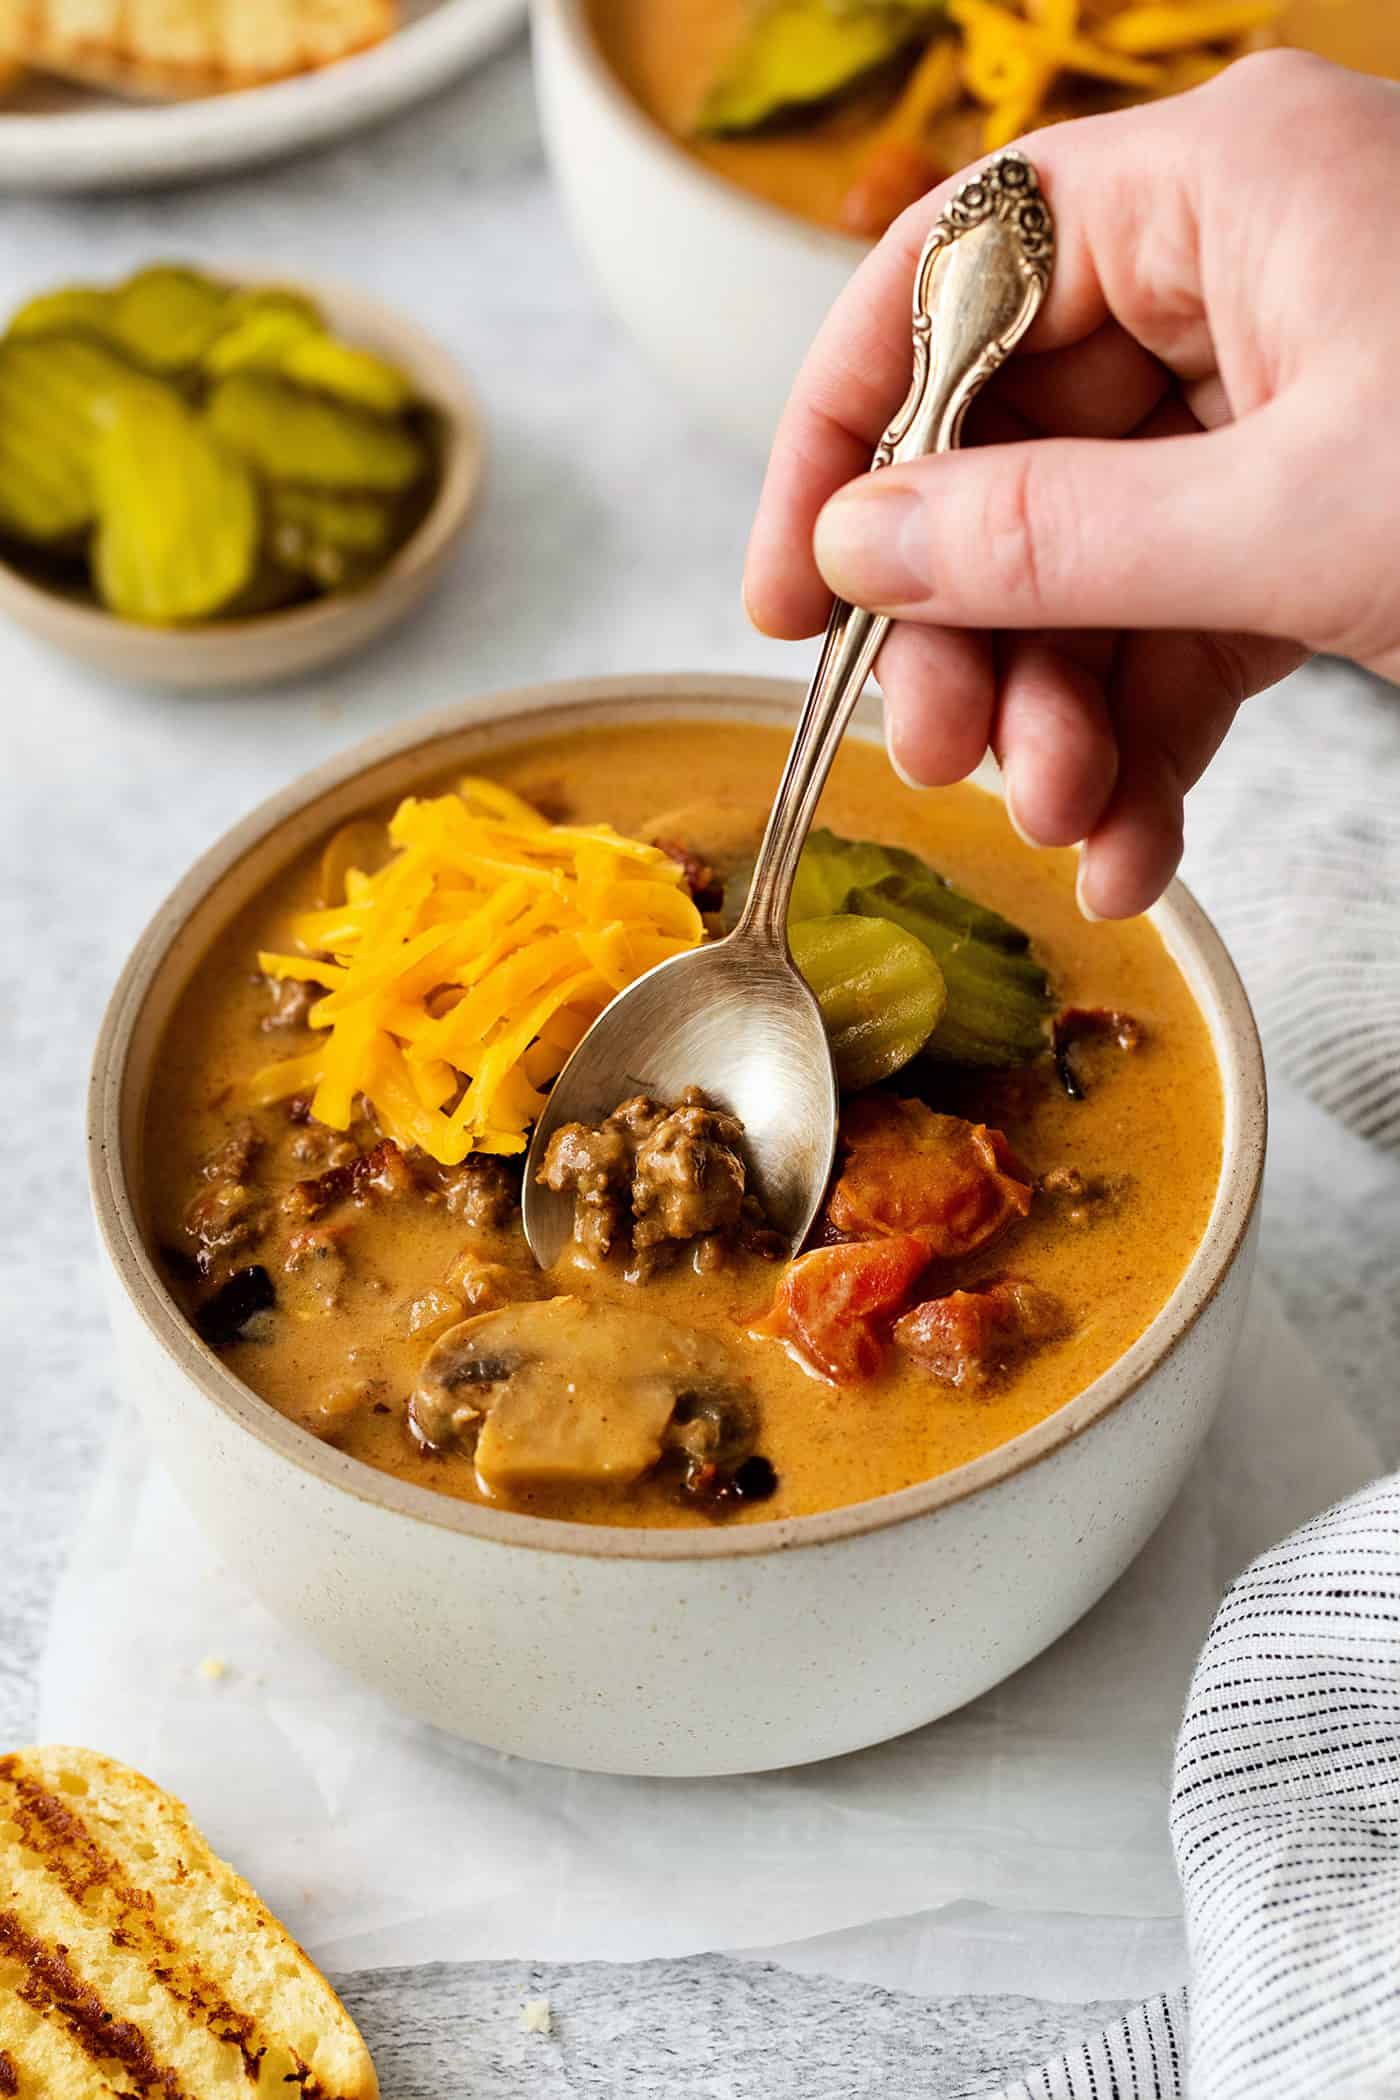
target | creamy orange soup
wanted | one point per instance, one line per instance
(664, 54)
(343, 1361)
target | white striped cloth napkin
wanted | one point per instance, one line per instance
(1286, 1829)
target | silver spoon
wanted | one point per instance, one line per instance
(734, 1017)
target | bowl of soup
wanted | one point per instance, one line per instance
(690, 1502)
(724, 186)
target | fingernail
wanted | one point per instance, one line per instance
(1009, 800)
(869, 544)
(1086, 910)
(901, 771)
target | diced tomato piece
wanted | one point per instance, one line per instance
(970, 1338)
(897, 173)
(952, 1184)
(835, 1304)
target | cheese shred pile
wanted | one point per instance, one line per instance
(460, 975)
(1015, 50)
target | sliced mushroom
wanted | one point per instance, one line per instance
(451, 1397)
(565, 1394)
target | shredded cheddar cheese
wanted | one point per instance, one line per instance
(461, 974)
(1014, 51)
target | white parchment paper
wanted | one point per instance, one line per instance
(382, 1841)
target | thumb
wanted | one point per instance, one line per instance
(1197, 531)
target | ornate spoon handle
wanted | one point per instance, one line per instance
(980, 281)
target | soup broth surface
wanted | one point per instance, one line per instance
(1150, 1126)
(665, 51)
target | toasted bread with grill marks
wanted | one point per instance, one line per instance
(170, 48)
(134, 1965)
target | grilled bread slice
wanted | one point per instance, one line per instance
(159, 48)
(135, 1963)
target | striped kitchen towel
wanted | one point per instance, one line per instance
(1294, 849)
(1286, 1828)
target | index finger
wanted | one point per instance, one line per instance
(1094, 173)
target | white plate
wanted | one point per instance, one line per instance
(60, 138)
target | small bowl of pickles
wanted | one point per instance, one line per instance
(209, 480)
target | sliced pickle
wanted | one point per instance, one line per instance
(798, 53)
(831, 868)
(247, 299)
(999, 998)
(290, 435)
(351, 374)
(55, 393)
(999, 1001)
(259, 341)
(331, 539)
(880, 991)
(82, 309)
(178, 523)
(166, 317)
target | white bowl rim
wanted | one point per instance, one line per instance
(506, 717)
(570, 18)
(447, 390)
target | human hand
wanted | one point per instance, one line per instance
(1185, 481)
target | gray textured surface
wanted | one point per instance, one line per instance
(695, 2030)
(611, 539)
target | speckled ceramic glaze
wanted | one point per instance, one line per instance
(676, 1652)
(722, 290)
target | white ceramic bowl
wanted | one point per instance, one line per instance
(281, 645)
(668, 1652)
(722, 290)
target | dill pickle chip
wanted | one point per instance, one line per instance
(880, 991)
(331, 539)
(177, 514)
(999, 1000)
(246, 299)
(800, 53)
(166, 317)
(259, 341)
(292, 435)
(55, 394)
(84, 309)
(351, 374)
(355, 524)
(831, 869)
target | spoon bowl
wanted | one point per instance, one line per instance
(736, 1019)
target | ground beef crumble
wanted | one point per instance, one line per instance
(659, 1179)
(228, 1214)
(292, 1001)
(705, 886)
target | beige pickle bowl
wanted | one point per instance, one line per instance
(722, 290)
(269, 647)
(731, 1649)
